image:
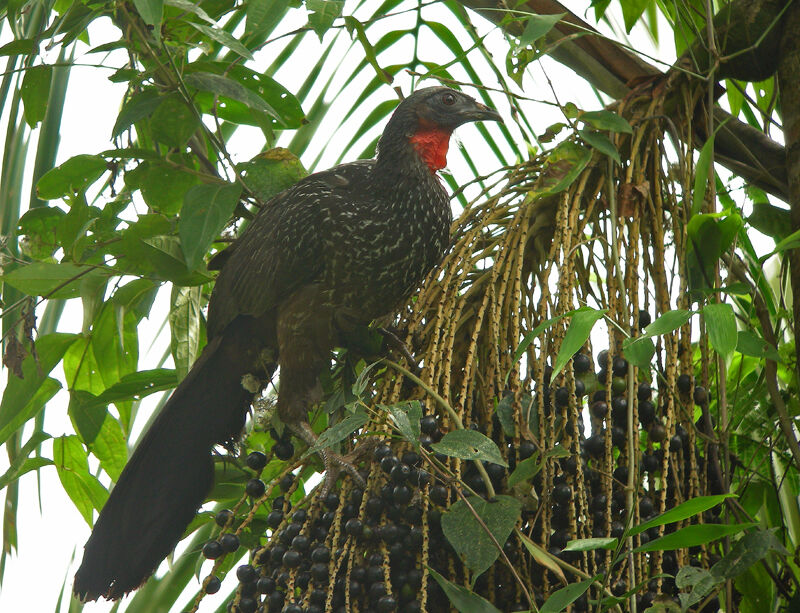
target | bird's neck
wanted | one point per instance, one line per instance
(431, 144)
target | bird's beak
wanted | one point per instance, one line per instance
(481, 112)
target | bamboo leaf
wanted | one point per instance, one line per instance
(224, 38)
(580, 327)
(206, 210)
(35, 90)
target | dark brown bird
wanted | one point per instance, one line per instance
(339, 248)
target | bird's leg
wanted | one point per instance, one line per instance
(334, 463)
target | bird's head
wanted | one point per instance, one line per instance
(427, 118)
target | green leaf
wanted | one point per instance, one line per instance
(223, 86)
(323, 13)
(138, 107)
(601, 142)
(750, 343)
(39, 225)
(750, 549)
(771, 220)
(73, 176)
(469, 445)
(693, 535)
(721, 326)
(185, 324)
(580, 327)
(591, 544)
(631, 12)
(263, 15)
(22, 463)
(406, 416)
(537, 26)
(173, 122)
(151, 12)
(505, 413)
(701, 170)
(35, 91)
(224, 38)
(560, 599)
(339, 431)
(100, 432)
(190, 7)
(470, 539)
(639, 351)
(163, 186)
(691, 507)
(669, 321)
(57, 281)
(21, 46)
(606, 120)
(563, 166)
(72, 465)
(528, 339)
(462, 598)
(206, 210)
(24, 398)
(526, 470)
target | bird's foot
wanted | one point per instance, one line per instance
(334, 462)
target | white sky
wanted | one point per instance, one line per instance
(52, 535)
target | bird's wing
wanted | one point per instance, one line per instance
(283, 247)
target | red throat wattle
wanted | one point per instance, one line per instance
(431, 142)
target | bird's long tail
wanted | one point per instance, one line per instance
(169, 474)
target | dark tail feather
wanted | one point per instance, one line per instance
(168, 476)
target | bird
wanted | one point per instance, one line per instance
(339, 248)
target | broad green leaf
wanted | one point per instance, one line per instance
(81, 370)
(115, 344)
(639, 351)
(560, 599)
(750, 343)
(173, 122)
(73, 176)
(56, 281)
(339, 431)
(72, 465)
(691, 507)
(35, 91)
(163, 186)
(263, 15)
(470, 539)
(469, 445)
(224, 86)
(39, 226)
(601, 142)
(537, 26)
(563, 166)
(224, 38)
(606, 120)
(526, 470)
(24, 398)
(541, 556)
(580, 327)
(701, 170)
(138, 107)
(751, 548)
(771, 220)
(590, 544)
(22, 463)
(185, 324)
(631, 12)
(151, 12)
(206, 210)
(406, 416)
(669, 321)
(101, 433)
(21, 46)
(504, 411)
(323, 13)
(693, 535)
(721, 326)
(463, 599)
(190, 7)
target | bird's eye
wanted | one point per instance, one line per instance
(448, 99)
